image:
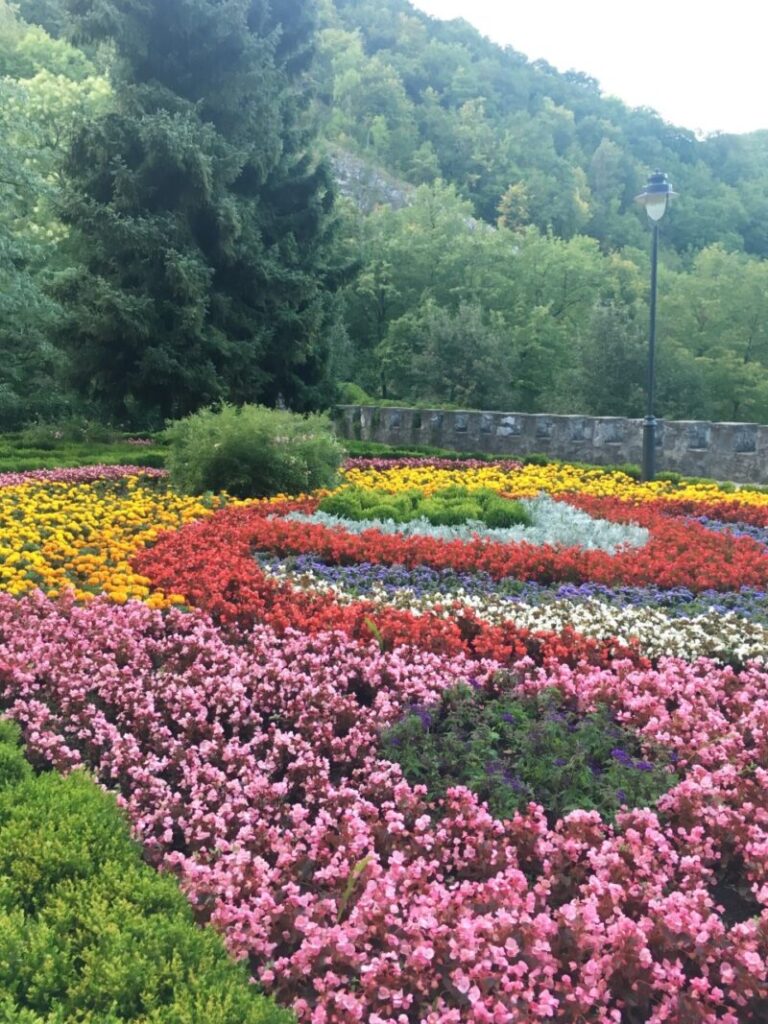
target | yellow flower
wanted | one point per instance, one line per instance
(82, 537)
(528, 481)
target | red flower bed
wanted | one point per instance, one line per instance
(211, 562)
(204, 561)
(647, 513)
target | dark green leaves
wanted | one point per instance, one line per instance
(511, 750)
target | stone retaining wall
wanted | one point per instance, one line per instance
(724, 451)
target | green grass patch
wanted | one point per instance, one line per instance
(19, 454)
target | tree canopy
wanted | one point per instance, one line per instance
(199, 216)
(435, 99)
(171, 236)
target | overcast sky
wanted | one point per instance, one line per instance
(702, 66)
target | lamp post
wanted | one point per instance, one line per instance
(655, 197)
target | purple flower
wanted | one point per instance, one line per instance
(422, 714)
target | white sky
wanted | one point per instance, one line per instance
(702, 66)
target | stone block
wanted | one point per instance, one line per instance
(509, 426)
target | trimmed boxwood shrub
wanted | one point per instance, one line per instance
(88, 932)
(451, 506)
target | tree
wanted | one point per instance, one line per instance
(202, 219)
(49, 14)
(28, 363)
(438, 355)
(47, 88)
(610, 374)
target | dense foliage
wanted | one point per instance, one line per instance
(47, 88)
(87, 931)
(168, 241)
(432, 99)
(199, 213)
(547, 311)
(252, 452)
(510, 750)
(449, 310)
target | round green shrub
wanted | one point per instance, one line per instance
(359, 503)
(345, 504)
(252, 452)
(385, 511)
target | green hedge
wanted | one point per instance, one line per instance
(450, 506)
(376, 450)
(19, 453)
(90, 934)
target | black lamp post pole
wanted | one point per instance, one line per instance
(649, 423)
(655, 197)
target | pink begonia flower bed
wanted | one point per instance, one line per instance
(248, 765)
(77, 475)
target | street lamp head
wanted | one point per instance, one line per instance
(656, 195)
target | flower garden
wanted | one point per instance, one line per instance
(459, 741)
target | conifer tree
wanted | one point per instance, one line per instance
(198, 210)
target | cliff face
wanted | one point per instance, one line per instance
(368, 186)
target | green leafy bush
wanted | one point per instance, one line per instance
(511, 749)
(537, 459)
(350, 393)
(347, 503)
(451, 506)
(450, 511)
(88, 932)
(630, 469)
(385, 510)
(501, 515)
(252, 452)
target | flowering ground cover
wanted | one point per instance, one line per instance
(77, 530)
(256, 737)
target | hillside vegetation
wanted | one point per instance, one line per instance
(518, 276)
(172, 239)
(435, 99)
